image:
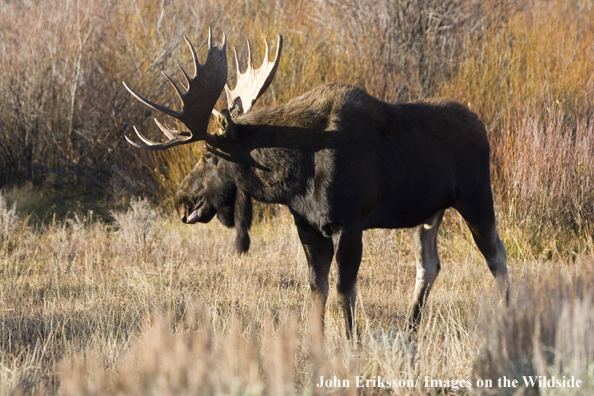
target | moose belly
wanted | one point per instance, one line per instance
(408, 208)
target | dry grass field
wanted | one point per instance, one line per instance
(150, 306)
(126, 300)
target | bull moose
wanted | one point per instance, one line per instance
(342, 161)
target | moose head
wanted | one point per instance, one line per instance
(201, 195)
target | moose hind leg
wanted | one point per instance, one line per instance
(481, 221)
(488, 241)
(319, 251)
(428, 265)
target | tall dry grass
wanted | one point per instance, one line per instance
(546, 332)
(87, 308)
(148, 306)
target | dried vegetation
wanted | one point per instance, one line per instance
(139, 304)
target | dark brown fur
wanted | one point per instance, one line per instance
(344, 162)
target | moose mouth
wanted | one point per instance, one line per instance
(194, 216)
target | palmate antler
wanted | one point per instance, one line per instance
(252, 83)
(202, 92)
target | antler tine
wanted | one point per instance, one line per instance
(224, 41)
(237, 62)
(267, 49)
(252, 83)
(250, 62)
(145, 140)
(152, 105)
(187, 78)
(194, 55)
(279, 48)
(169, 132)
(275, 64)
(175, 139)
(179, 94)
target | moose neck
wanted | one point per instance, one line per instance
(287, 153)
(271, 163)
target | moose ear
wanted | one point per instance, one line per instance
(226, 125)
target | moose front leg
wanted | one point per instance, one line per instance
(348, 259)
(319, 251)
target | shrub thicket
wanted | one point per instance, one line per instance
(525, 67)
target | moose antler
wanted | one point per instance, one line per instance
(252, 83)
(201, 94)
(203, 90)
